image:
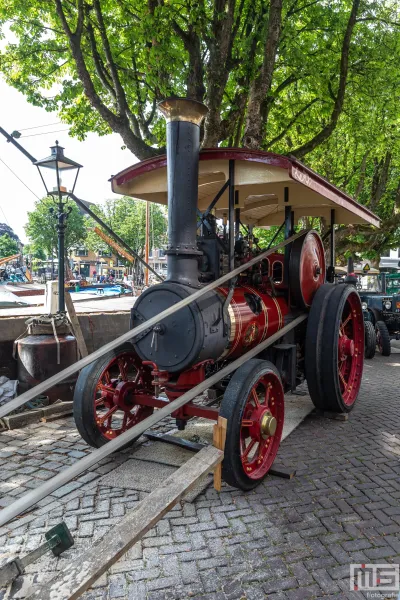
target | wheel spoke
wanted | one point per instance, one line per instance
(106, 376)
(105, 388)
(122, 369)
(342, 378)
(107, 416)
(247, 423)
(343, 325)
(267, 392)
(248, 449)
(255, 397)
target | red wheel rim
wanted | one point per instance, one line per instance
(312, 266)
(115, 398)
(264, 409)
(351, 349)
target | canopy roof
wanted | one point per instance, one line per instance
(260, 182)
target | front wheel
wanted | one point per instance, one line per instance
(253, 404)
(383, 338)
(370, 339)
(106, 394)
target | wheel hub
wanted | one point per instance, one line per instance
(123, 395)
(346, 346)
(268, 425)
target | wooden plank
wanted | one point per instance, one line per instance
(80, 340)
(79, 575)
(281, 471)
(219, 438)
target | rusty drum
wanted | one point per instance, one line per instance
(37, 361)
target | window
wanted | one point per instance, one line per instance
(81, 252)
(105, 253)
(277, 272)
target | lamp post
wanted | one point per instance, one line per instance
(60, 164)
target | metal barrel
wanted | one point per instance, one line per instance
(183, 118)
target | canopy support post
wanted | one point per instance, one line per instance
(231, 215)
(237, 223)
(288, 228)
(330, 276)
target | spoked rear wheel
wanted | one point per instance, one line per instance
(253, 404)
(334, 351)
(104, 398)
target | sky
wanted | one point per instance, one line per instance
(101, 157)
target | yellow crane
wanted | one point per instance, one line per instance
(118, 249)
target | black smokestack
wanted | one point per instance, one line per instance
(183, 118)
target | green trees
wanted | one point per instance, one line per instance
(8, 246)
(314, 79)
(264, 69)
(127, 217)
(42, 231)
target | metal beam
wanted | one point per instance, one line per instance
(231, 213)
(87, 210)
(133, 333)
(83, 206)
(13, 141)
(34, 496)
(332, 239)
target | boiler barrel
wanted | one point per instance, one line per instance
(254, 317)
(37, 361)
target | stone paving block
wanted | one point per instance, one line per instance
(160, 452)
(137, 475)
(342, 506)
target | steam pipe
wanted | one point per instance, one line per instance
(183, 118)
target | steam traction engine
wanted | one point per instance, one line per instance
(182, 350)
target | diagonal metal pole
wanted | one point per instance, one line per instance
(112, 233)
(83, 206)
(133, 333)
(32, 497)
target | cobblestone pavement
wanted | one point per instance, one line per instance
(285, 540)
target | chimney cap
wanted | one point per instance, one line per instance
(183, 109)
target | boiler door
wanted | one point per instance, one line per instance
(306, 269)
(175, 343)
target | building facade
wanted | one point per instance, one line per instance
(103, 262)
(391, 262)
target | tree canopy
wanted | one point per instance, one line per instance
(8, 246)
(127, 217)
(314, 78)
(41, 227)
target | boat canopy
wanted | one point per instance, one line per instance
(264, 184)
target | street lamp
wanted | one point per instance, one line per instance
(70, 170)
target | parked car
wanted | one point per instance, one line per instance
(382, 309)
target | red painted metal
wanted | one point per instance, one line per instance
(117, 395)
(248, 328)
(258, 450)
(312, 266)
(351, 349)
(195, 410)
